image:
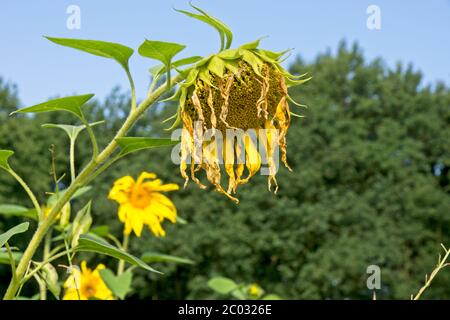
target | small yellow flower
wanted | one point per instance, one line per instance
(254, 290)
(142, 203)
(86, 284)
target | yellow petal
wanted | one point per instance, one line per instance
(121, 189)
(136, 222)
(154, 225)
(72, 294)
(162, 211)
(156, 185)
(253, 158)
(145, 175)
(229, 163)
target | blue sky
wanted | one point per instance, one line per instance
(411, 31)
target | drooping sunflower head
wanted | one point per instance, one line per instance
(241, 97)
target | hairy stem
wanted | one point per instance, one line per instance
(28, 191)
(72, 160)
(79, 182)
(133, 90)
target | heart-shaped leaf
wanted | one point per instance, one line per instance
(133, 144)
(70, 104)
(87, 243)
(4, 156)
(150, 257)
(119, 285)
(21, 228)
(160, 50)
(111, 50)
(16, 210)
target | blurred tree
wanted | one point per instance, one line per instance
(370, 186)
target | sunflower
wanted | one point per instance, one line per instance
(241, 91)
(142, 203)
(86, 284)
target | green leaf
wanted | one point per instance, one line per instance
(159, 50)
(101, 231)
(186, 61)
(70, 104)
(162, 51)
(273, 56)
(157, 71)
(89, 244)
(222, 285)
(251, 45)
(21, 228)
(226, 36)
(4, 156)
(111, 50)
(133, 144)
(16, 210)
(72, 131)
(230, 54)
(4, 257)
(253, 61)
(119, 285)
(150, 257)
(217, 66)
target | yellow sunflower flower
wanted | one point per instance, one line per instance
(86, 284)
(142, 203)
(254, 290)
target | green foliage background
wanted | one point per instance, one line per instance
(370, 185)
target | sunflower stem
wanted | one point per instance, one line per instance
(121, 265)
(79, 182)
